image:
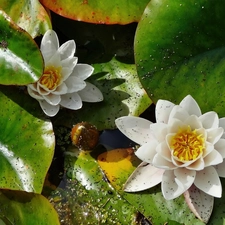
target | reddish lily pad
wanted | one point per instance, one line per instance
(29, 15)
(101, 11)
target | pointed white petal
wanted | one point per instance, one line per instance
(68, 67)
(163, 150)
(135, 128)
(83, 71)
(220, 168)
(200, 203)
(67, 49)
(176, 182)
(147, 151)
(90, 93)
(178, 113)
(162, 111)
(52, 99)
(222, 124)
(42, 89)
(54, 61)
(71, 101)
(220, 147)
(144, 177)
(49, 110)
(209, 147)
(34, 94)
(197, 165)
(61, 89)
(175, 125)
(214, 134)
(209, 120)
(74, 84)
(193, 122)
(159, 130)
(160, 162)
(49, 44)
(208, 181)
(191, 106)
(213, 158)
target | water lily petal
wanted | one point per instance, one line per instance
(200, 203)
(222, 124)
(135, 128)
(33, 93)
(162, 110)
(220, 168)
(197, 165)
(214, 134)
(54, 61)
(61, 89)
(175, 125)
(165, 152)
(178, 113)
(213, 158)
(83, 71)
(159, 130)
(209, 147)
(74, 84)
(145, 176)
(161, 162)
(52, 99)
(71, 101)
(208, 181)
(176, 182)
(67, 49)
(147, 151)
(49, 44)
(191, 106)
(220, 147)
(68, 66)
(48, 109)
(209, 120)
(193, 122)
(90, 93)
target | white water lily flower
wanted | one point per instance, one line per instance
(183, 148)
(63, 81)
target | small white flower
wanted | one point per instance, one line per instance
(183, 148)
(62, 83)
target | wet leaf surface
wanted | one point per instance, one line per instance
(29, 15)
(27, 143)
(179, 50)
(18, 67)
(107, 12)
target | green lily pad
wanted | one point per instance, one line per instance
(179, 50)
(29, 15)
(89, 198)
(26, 142)
(151, 202)
(22, 208)
(21, 61)
(123, 95)
(102, 11)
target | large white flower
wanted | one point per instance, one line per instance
(184, 148)
(62, 83)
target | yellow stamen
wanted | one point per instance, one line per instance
(51, 77)
(187, 145)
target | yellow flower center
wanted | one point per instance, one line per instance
(51, 77)
(187, 145)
